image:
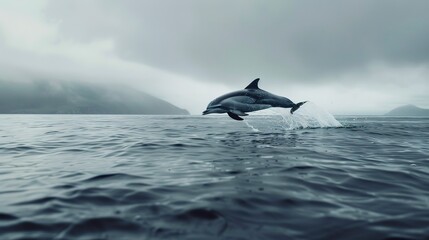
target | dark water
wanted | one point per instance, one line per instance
(152, 177)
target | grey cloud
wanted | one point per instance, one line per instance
(226, 40)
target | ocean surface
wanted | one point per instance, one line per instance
(210, 177)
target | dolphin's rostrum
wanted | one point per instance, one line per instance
(250, 99)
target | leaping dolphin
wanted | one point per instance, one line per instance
(250, 99)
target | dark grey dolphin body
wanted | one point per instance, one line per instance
(250, 99)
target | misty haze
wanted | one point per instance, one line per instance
(200, 119)
(44, 97)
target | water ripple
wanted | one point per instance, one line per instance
(169, 177)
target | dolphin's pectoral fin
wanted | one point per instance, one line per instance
(234, 116)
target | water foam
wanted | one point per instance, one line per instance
(250, 126)
(309, 115)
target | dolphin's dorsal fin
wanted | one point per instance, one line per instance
(253, 84)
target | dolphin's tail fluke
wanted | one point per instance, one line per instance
(294, 108)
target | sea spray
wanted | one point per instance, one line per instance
(250, 126)
(308, 116)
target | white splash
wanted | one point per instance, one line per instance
(250, 126)
(308, 115)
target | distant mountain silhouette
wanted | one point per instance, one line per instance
(408, 110)
(54, 97)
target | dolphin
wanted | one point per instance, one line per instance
(250, 99)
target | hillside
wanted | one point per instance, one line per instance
(408, 110)
(48, 97)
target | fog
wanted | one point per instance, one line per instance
(354, 57)
(75, 97)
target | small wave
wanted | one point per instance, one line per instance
(102, 227)
(201, 220)
(182, 145)
(199, 214)
(112, 177)
(31, 230)
(7, 217)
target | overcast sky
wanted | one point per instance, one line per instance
(361, 56)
